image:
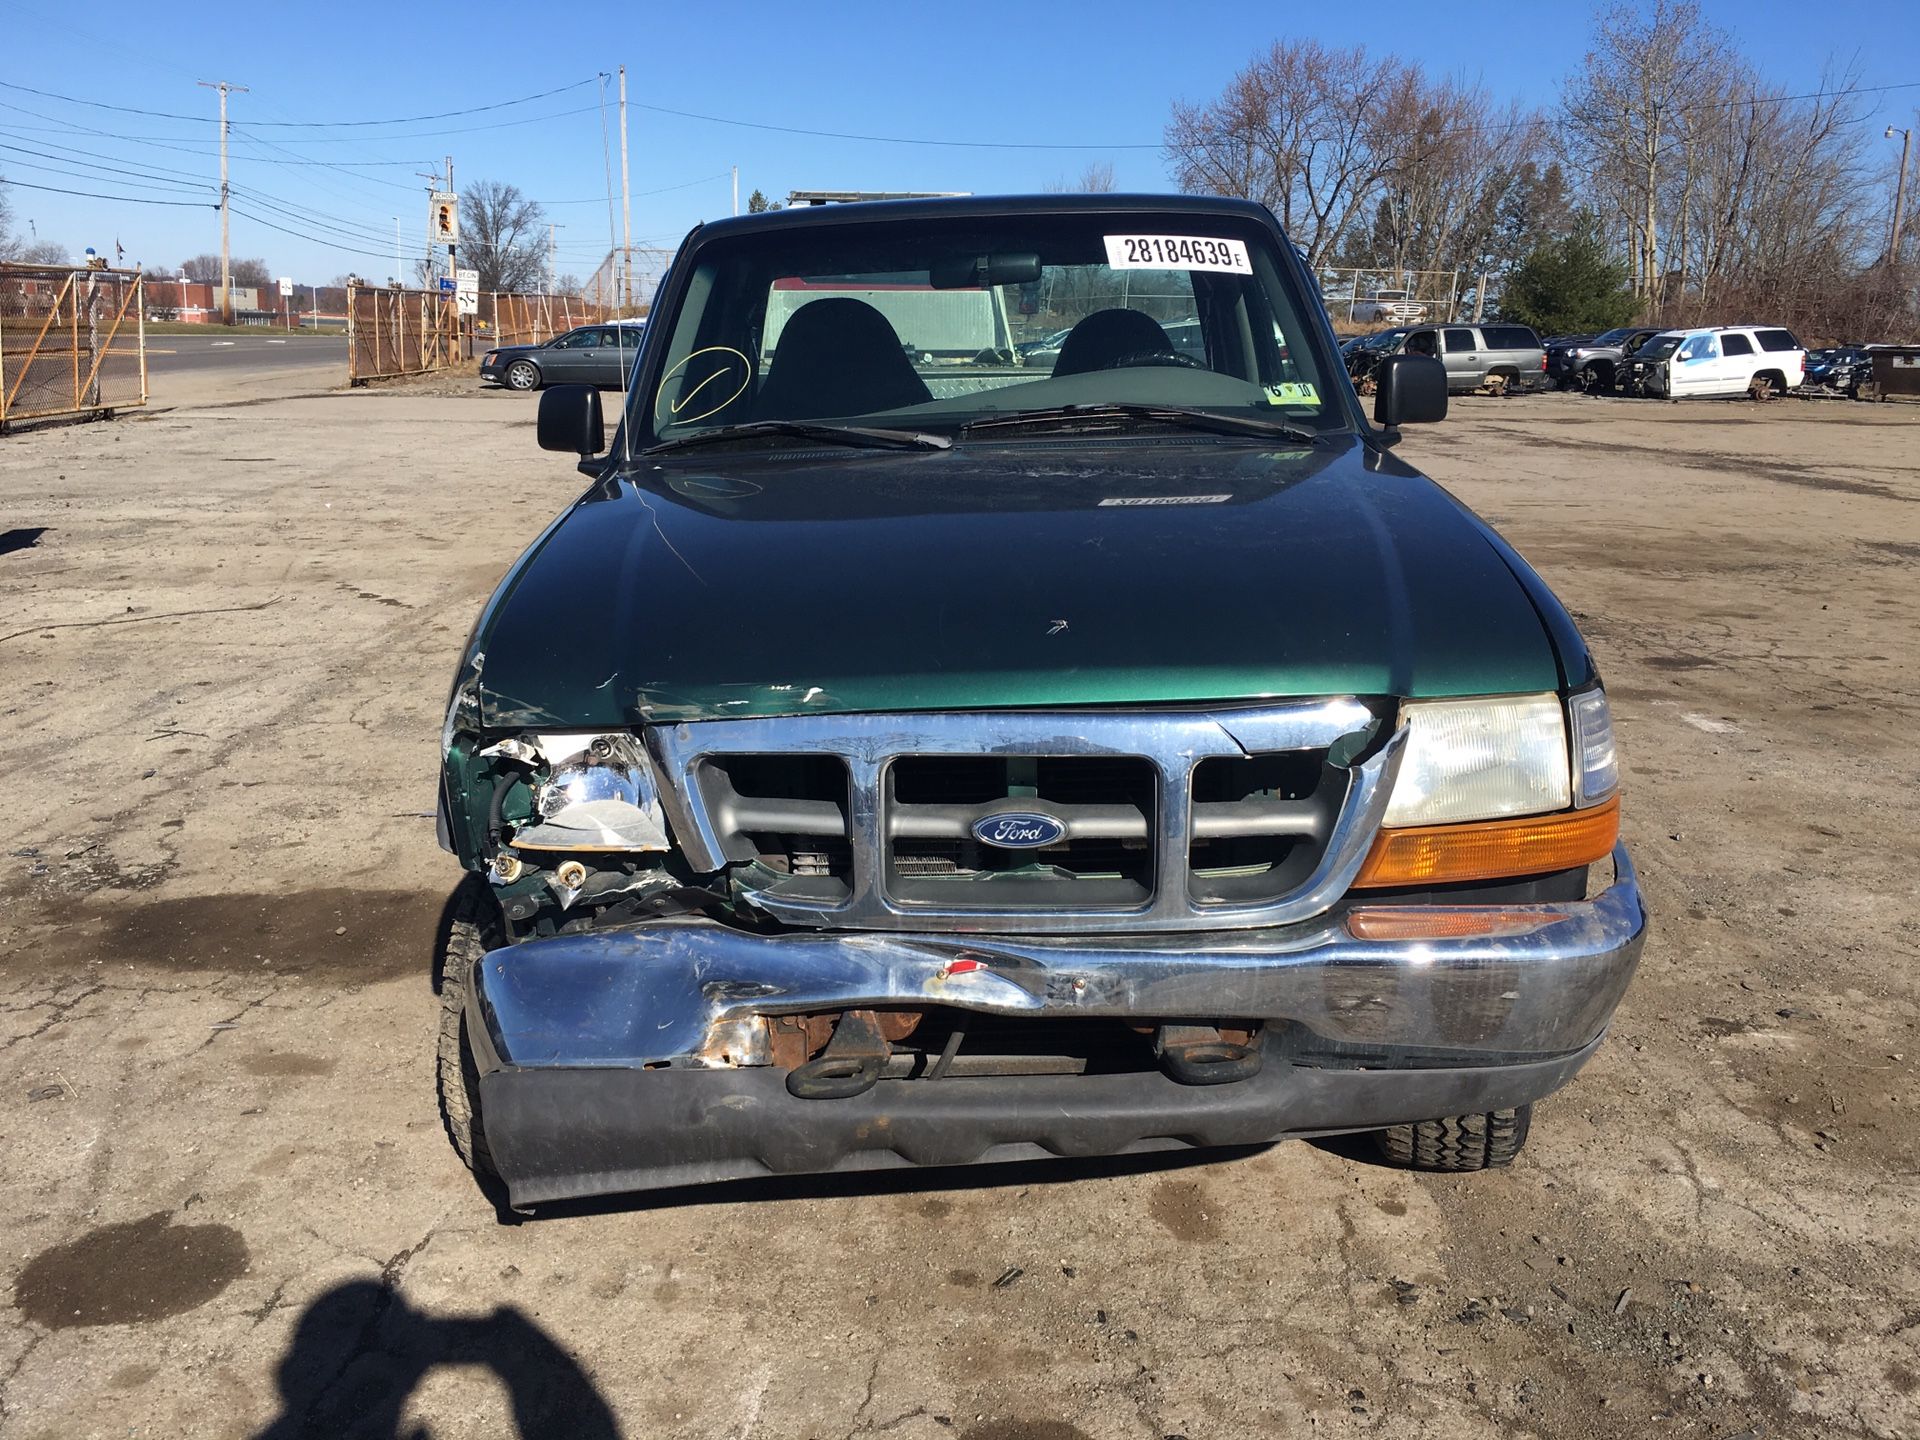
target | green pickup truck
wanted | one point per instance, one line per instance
(901, 756)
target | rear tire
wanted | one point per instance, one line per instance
(1485, 1141)
(474, 929)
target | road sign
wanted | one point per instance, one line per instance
(446, 285)
(286, 285)
(466, 295)
(443, 218)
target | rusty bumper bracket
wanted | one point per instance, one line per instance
(852, 1063)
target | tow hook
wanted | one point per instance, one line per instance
(1200, 1055)
(851, 1064)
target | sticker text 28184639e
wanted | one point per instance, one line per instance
(1177, 252)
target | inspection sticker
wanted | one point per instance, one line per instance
(1177, 252)
(1291, 393)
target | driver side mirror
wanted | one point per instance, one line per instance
(1412, 390)
(570, 420)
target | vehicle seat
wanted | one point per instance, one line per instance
(1107, 336)
(837, 357)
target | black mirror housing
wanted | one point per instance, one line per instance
(1412, 391)
(570, 420)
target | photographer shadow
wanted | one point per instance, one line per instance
(360, 1350)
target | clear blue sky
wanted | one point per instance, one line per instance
(1094, 75)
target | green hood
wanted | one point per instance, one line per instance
(1046, 573)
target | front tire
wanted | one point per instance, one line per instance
(1485, 1141)
(523, 375)
(473, 930)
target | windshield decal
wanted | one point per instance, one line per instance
(1177, 252)
(1292, 393)
(710, 386)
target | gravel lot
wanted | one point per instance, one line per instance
(231, 1208)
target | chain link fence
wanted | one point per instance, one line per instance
(72, 342)
(393, 331)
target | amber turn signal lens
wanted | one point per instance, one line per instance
(1425, 922)
(1491, 849)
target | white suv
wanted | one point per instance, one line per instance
(1721, 360)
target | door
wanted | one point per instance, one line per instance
(1737, 363)
(1695, 368)
(569, 357)
(1466, 370)
(613, 354)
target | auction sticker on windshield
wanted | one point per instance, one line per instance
(1177, 252)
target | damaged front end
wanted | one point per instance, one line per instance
(566, 826)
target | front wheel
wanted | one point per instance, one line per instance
(523, 375)
(1485, 1141)
(473, 930)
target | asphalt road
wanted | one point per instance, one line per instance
(172, 354)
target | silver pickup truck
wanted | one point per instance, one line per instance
(1500, 359)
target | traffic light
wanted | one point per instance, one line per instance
(443, 221)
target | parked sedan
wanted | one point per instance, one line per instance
(590, 355)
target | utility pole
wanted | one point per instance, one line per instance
(552, 271)
(452, 273)
(397, 261)
(736, 189)
(626, 206)
(226, 253)
(1899, 193)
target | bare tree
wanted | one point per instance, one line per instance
(1303, 129)
(247, 273)
(500, 236)
(1625, 112)
(1095, 179)
(24, 249)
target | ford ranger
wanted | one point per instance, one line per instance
(905, 758)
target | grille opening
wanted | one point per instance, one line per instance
(1105, 861)
(1260, 824)
(788, 815)
(996, 1045)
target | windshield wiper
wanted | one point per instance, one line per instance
(866, 435)
(1181, 415)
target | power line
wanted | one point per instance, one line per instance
(300, 124)
(126, 199)
(315, 239)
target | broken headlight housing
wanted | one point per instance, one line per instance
(590, 793)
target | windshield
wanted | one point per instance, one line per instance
(929, 324)
(1660, 347)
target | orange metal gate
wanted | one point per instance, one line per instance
(72, 342)
(393, 331)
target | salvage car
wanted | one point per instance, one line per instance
(588, 354)
(1716, 362)
(1590, 363)
(1497, 359)
(1132, 757)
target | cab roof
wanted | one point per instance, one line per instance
(975, 207)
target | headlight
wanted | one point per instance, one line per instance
(1596, 770)
(489, 358)
(600, 793)
(1480, 760)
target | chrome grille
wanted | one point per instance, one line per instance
(1173, 819)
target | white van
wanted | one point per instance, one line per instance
(1718, 361)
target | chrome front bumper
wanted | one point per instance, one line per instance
(1542, 981)
(622, 1062)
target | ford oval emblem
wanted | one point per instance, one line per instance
(1019, 830)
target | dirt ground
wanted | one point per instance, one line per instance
(232, 1210)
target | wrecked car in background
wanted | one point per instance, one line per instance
(891, 760)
